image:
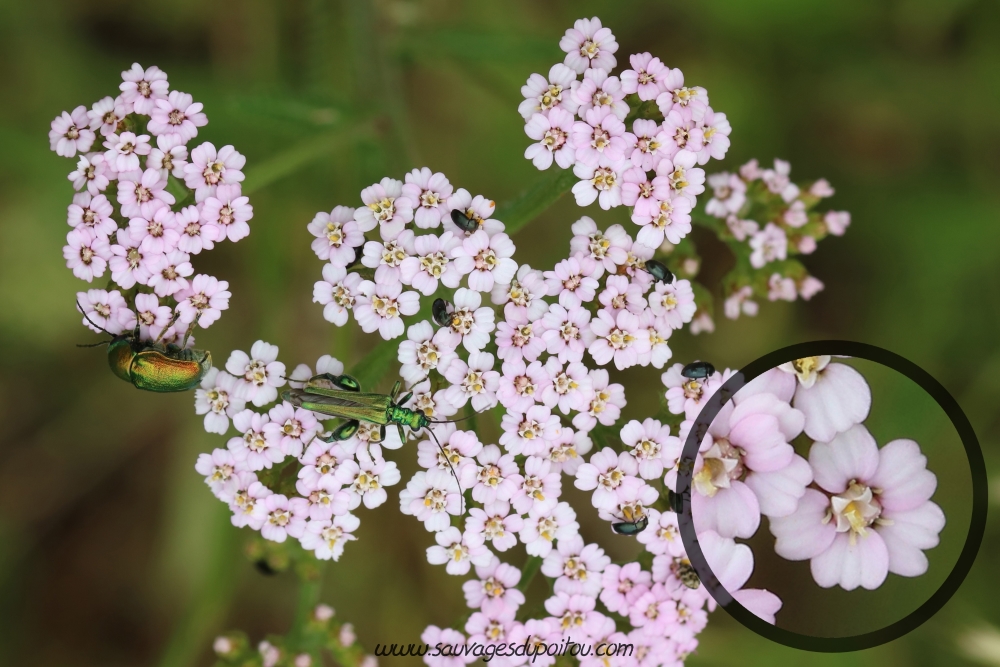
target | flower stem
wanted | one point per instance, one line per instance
(310, 585)
(528, 572)
(210, 605)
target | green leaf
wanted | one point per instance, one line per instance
(467, 45)
(599, 438)
(285, 107)
(373, 367)
(177, 188)
(532, 202)
(528, 572)
(284, 164)
(370, 370)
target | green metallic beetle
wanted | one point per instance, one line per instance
(153, 366)
(341, 396)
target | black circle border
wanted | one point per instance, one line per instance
(977, 523)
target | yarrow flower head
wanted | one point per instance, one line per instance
(424, 262)
(144, 236)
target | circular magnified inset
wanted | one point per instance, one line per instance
(832, 495)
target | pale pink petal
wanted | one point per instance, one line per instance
(851, 455)
(731, 563)
(764, 443)
(790, 420)
(722, 422)
(761, 603)
(731, 512)
(802, 534)
(774, 381)
(909, 533)
(839, 399)
(779, 492)
(903, 476)
(865, 563)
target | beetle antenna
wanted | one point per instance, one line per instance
(454, 474)
(460, 419)
(96, 326)
(103, 342)
(452, 421)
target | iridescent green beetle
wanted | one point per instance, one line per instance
(153, 366)
(635, 522)
(341, 396)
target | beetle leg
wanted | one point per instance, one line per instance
(167, 328)
(381, 434)
(402, 433)
(405, 398)
(345, 382)
(342, 432)
(187, 334)
(395, 390)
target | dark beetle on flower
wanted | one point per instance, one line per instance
(698, 370)
(464, 222)
(153, 366)
(659, 271)
(635, 522)
(439, 311)
(686, 573)
(630, 527)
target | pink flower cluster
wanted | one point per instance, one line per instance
(593, 602)
(314, 506)
(578, 116)
(533, 343)
(399, 263)
(855, 510)
(529, 341)
(423, 262)
(169, 204)
(770, 219)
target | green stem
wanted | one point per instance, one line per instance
(212, 601)
(310, 586)
(648, 109)
(528, 572)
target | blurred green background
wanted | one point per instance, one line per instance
(112, 551)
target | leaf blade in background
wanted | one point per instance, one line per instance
(518, 212)
(266, 172)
